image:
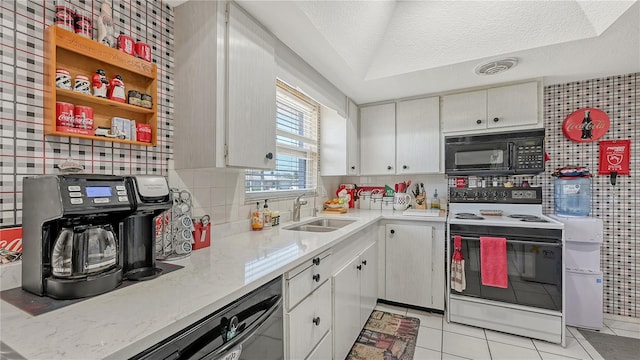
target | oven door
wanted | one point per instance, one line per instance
(478, 158)
(534, 265)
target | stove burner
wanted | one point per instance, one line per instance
(468, 216)
(528, 218)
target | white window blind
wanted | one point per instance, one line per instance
(296, 166)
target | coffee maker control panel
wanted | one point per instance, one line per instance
(82, 193)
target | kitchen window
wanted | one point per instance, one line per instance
(296, 168)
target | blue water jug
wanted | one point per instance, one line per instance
(572, 196)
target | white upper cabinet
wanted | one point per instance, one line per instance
(501, 108)
(225, 92)
(353, 144)
(378, 139)
(418, 136)
(251, 93)
(400, 138)
(339, 142)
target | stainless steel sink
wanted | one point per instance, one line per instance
(321, 225)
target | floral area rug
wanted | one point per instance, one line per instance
(386, 336)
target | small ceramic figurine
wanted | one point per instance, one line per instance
(106, 30)
(100, 83)
(116, 89)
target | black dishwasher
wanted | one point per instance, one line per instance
(248, 328)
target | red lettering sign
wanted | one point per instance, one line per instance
(615, 156)
(586, 125)
(11, 239)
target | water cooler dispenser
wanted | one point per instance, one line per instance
(583, 278)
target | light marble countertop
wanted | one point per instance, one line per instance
(123, 322)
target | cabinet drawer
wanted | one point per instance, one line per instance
(323, 350)
(304, 333)
(302, 280)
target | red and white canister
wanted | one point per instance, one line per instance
(84, 24)
(63, 79)
(82, 85)
(126, 44)
(143, 51)
(83, 117)
(64, 17)
(64, 114)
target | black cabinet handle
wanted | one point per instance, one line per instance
(496, 119)
(316, 261)
(364, 262)
(389, 167)
(316, 277)
(478, 122)
(359, 267)
(392, 231)
(405, 167)
(269, 156)
(316, 320)
(353, 168)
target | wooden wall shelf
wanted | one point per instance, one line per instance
(79, 55)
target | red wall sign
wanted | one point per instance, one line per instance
(586, 124)
(11, 239)
(615, 157)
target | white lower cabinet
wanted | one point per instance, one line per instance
(309, 322)
(354, 298)
(308, 308)
(323, 350)
(414, 264)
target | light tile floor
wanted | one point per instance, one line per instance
(438, 339)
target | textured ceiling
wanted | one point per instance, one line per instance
(379, 50)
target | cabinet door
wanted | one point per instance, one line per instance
(418, 136)
(333, 143)
(346, 308)
(378, 139)
(465, 111)
(408, 263)
(438, 270)
(368, 282)
(353, 144)
(514, 105)
(251, 93)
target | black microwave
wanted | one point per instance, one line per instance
(508, 153)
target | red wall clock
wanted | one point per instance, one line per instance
(586, 125)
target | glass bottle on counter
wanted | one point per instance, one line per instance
(435, 202)
(266, 213)
(257, 218)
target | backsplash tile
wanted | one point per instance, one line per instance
(25, 149)
(618, 205)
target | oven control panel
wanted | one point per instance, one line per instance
(506, 195)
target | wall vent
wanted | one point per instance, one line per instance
(496, 66)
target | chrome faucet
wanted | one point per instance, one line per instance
(297, 203)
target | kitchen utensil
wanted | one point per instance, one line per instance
(401, 201)
(401, 187)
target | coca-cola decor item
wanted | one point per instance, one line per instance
(143, 51)
(11, 239)
(143, 132)
(64, 17)
(586, 125)
(126, 44)
(64, 114)
(615, 158)
(84, 119)
(84, 24)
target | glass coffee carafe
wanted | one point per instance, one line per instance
(85, 250)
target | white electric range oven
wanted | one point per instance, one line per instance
(533, 302)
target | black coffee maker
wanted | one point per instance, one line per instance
(70, 230)
(151, 197)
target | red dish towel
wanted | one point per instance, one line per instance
(493, 261)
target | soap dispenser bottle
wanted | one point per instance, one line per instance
(266, 214)
(435, 202)
(257, 218)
